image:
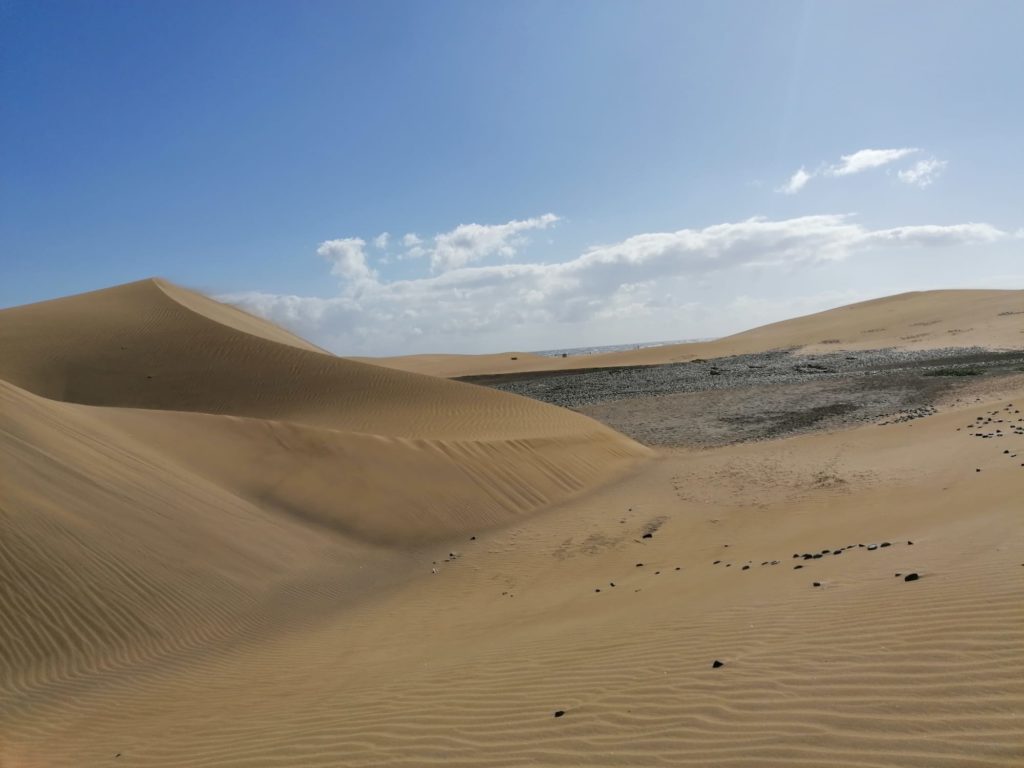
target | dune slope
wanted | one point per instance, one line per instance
(468, 666)
(176, 473)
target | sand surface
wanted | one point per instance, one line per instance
(220, 546)
(919, 320)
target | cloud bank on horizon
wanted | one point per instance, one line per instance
(475, 290)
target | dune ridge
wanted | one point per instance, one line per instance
(171, 464)
(918, 320)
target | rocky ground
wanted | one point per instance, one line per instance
(750, 397)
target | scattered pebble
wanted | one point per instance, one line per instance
(559, 712)
(716, 664)
(911, 577)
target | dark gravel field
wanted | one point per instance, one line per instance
(750, 397)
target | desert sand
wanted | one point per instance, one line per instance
(919, 320)
(222, 546)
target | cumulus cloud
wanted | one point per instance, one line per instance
(380, 242)
(409, 239)
(865, 159)
(796, 182)
(923, 172)
(617, 280)
(862, 160)
(348, 259)
(474, 242)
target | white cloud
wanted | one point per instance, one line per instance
(410, 239)
(473, 242)
(348, 258)
(860, 161)
(380, 242)
(647, 274)
(866, 159)
(796, 182)
(923, 172)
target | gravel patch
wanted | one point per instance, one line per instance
(772, 394)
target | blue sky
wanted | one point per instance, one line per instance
(575, 173)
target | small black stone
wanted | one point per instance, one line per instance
(910, 543)
(838, 552)
(472, 538)
(797, 567)
(816, 584)
(911, 577)
(885, 544)
(559, 712)
(639, 565)
(597, 590)
(716, 664)
(647, 536)
(745, 567)
(716, 562)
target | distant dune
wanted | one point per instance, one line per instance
(919, 320)
(221, 547)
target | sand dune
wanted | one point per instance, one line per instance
(919, 320)
(264, 555)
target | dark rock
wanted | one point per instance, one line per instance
(816, 584)
(797, 567)
(558, 712)
(716, 664)
(647, 536)
(911, 577)
(885, 544)
(745, 567)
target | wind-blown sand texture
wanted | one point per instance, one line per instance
(919, 320)
(264, 555)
